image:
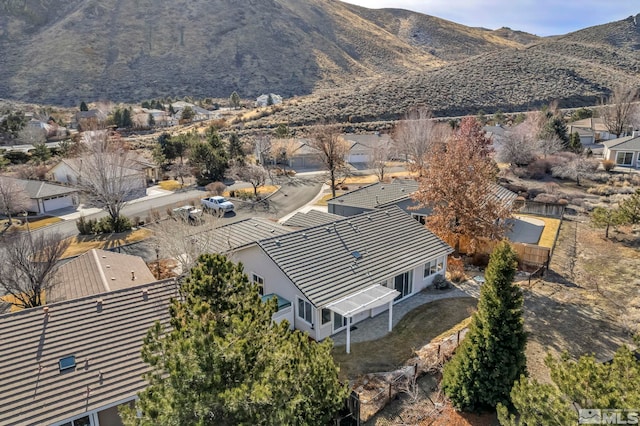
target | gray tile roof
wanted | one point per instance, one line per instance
(319, 260)
(631, 143)
(502, 194)
(311, 218)
(98, 271)
(37, 189)
(377, 194)
(245, 232)
(105, 339)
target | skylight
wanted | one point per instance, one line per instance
(356, 254)
(67, 363)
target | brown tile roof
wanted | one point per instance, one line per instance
(105, 339)
(98, 271)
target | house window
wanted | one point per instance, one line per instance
(338, 321)
(440, 264)
(624, 158)
(420, 218)
(431, 267)
(259, 281)
(326, 316)
(404, 284)
(80, 421)
(304, 311)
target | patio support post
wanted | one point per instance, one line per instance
(390, 315)
(348, 335)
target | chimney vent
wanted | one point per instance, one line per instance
(133, 275)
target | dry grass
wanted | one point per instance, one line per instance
(416, 329)
(170, 185)
(267, 189)
(83, 243)
(34, 223)
(551, 226)
(323, 201)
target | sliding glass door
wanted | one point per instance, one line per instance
(404, 284)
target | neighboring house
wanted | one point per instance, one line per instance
(75, 362)
(362, 147)
(51, 130)
(496, 133)
(70, 171)
(90, 120)
(382, 195)
(98, 271)
(263, 100)
(161, 118)
(346, 271)
(624, 151)
(379, 196)
(304, 156)
(47, 197)
(200, 114)
(150, 169)
(591, 130)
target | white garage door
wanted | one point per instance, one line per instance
(58, 203)
(358, 158)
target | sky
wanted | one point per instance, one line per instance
(540, 17)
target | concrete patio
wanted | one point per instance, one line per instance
(377, 327)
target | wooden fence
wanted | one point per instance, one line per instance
(530, 256)
(539, 209)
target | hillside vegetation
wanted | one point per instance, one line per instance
(130, 50)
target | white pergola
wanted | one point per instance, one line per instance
(369, 298)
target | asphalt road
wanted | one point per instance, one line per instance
(293, 194)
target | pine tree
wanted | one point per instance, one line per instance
(630, 209)
(234, 100)
(491, 357)
(83, 106)
(235, 147)
(574, 143)
(602, 217)
(225, 362)
(585, 383)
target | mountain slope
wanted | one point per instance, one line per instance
(577, 70)
(127, 50)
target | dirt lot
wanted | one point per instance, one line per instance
(589, 302)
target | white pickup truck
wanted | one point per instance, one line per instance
(217, 204)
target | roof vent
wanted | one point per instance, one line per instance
(133, 275)
(304, 235)
(272, 231)
(278, 243)
(104, 257)
(113, 278)
(382, 187)
(45, 310)
(107, 266)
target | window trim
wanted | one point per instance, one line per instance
(624, 153)
(304, 303)
(259, 281)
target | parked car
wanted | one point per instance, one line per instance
(188, 213)
(217, 204)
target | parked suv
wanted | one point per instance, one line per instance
(217, 204)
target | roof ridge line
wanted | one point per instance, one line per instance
(100, 271)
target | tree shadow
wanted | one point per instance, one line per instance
(577, 328)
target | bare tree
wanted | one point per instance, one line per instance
(519, 144)
(282, 150)
(32, 135)
(619, 110)
(13, 197)
(108, 176)
(415, 135)
(262, 148)
(576, 167)
(252, 173)
(181, 240)
(379, 159)
(549, 146)
(331, 149)
(27, 266)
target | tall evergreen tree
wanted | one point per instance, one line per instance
(491, 357)
(225, 361)
(235, 148)
(234, 100)
(83, 106)
(574, 143)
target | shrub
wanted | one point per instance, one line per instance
(455, 267)
(216, 188)
(608, 165)
(480, 259)
(439, 282)
(85, 226)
